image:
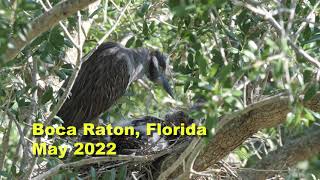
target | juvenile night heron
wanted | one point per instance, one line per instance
(105, 77)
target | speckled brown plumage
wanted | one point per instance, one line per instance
(105, 77)
(101, 81)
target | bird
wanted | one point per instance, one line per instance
(127, 144)
(105, 76)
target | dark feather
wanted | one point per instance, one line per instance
(105, 77)
(102, 80)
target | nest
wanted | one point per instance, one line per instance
(152, 151)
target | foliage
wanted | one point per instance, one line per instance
(223, 58)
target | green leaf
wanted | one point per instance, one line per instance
(315, 114)
(144, 9)
(46, 58)
(40, 39)
(23, 102)
(13, 170)
(138, 43)
(4, 174)
(122, 173)
(61, 74)
(68, 72)
(210, 123)
(152, 26)
(145, 30)
(67, 66)
(314, 38)
(308, 114)
(252, 45)
(15, 106)
(56, 38)
(217, 58)
(186, 86)
(307, 75)
(68, 43)
(278, 69)
(214, 70)
(95, 12)
(190, 60)
(311, 91)
(110, 175)
(237, 93)
(47, 96)
(29, 5)
(202, 63)
(93, 173)
(232, 50)
(249, 54)
(225, 72)
(130, 41)
(2, 129)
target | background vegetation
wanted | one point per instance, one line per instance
(226, 57)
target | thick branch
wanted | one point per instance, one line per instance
(235, 130)
(44, 22)
(94, 160)
(295, 150)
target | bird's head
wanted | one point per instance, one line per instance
(157, 70)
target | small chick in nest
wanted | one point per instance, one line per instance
(146, 144)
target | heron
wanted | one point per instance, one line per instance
(106, 75)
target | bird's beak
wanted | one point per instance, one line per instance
(165, 84)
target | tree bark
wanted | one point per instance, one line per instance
(235, 130)
(295, 150)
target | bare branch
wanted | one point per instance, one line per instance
(63, 98)
(5, 144)
(304, 24)
(292, 14)
(86, 24)
(21, 133)
(30, 120)
(165, 174)
(268, 16)
(105, 11)
(6, 136)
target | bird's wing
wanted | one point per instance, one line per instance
(102, 79)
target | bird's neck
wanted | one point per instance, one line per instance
(140, 63)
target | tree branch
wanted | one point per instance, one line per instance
(268, 16)
(94, 160)
(5, 144)
(107, 34)
(165, 174)
(65, 94)
(128, 158)
(44, 22)
(295, 150)
(233, 131)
